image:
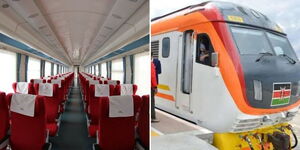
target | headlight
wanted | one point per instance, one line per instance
(257, 90)
(298, 89)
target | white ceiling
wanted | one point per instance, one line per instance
(75, 31)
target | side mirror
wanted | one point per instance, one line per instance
(214, 59)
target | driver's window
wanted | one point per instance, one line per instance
(204, 49)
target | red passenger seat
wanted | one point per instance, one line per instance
(117, 122)
(125, 89)
(143, 122)
(96, 92)
(60, 93)
(35, 81)
(4, 122)
(23, 88)
(52, 103)
(28, 122)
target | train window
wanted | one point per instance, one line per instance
(117, 72)
(142, 73)
(54, 69)
(204, 49)
(104, 70)
(187, 63)
(47, 69)
(281, 45)
(34, 68)
(93, 69)
(97, 70)
(154, 49)
(259, 43)
(166, 47)
(7, 76)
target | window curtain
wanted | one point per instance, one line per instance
(124, 70)
(57, 69)
(42, 74)
(52, 69)
(19, 57)
(26, 67)
(131, 59)
(108, 65)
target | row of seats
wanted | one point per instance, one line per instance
(117, 116)
(31, 113)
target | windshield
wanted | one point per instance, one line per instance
(251, 41)
(281, 45)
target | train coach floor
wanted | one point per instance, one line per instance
(73, 134)
(175, 133)
(170, 128)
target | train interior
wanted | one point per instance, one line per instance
(74, 74)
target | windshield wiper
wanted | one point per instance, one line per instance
(291, 60)
(263, 54)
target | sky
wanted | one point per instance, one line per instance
(286, 13)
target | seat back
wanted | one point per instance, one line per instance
(143, 122)
(17, 86)
(125, 89)
(93, 107)
(35, 81)
(61, 88)
(51, 102)
(4, 117)
(28, 132)
(117, 132)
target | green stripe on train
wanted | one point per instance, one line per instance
(280, 101)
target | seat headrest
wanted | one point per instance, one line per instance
(112, 82)
(23, 104)
(46, 89)
(121, 106)
(22, 87)
(37, 81)
(126, 89)
(93, 82)
(101, 90)
(56, 81)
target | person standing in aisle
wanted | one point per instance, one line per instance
(153, 92)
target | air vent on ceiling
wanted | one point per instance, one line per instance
(15, 0)
(33, 15)
(108, 28)
(5, 6)
(42, 27)
(116, 16)
(133, 0)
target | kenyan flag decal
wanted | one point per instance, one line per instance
(281, 94)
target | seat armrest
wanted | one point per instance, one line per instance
(97, 135)
(96, 147)
(47, 146)
(4, 142)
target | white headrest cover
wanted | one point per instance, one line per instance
(112, 82)
(23, 104)
(93, 82)
(120, 106)
(37, 81)
(61, 78)
(103, 79)
(56, 81)
(101, 90)
(46, 89)
(126, 89)
(22, 87)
